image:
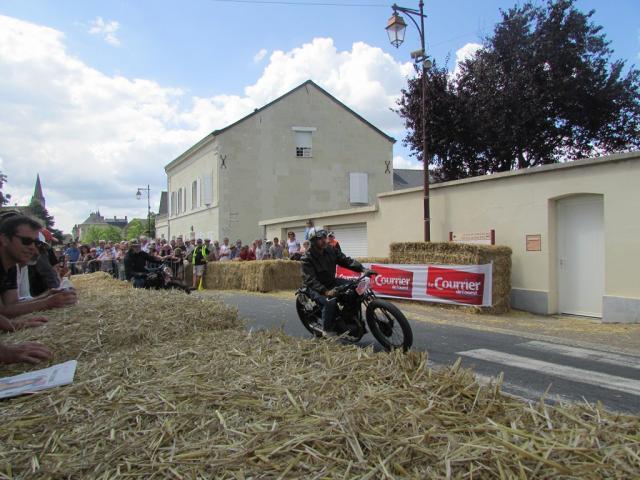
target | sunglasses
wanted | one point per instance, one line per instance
(26, 241)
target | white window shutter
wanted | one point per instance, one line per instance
(208, 189)
(199, 191)
(358, 188)
(303, 139)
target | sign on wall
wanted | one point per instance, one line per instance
(453, 284)
(534, 243)
(477, 238)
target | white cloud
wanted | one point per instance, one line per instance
(258, 57)
(409, 163)
(95, 138)
(464, 53)
(108, 29)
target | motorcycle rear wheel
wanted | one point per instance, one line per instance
(389, 325)
(312, 320)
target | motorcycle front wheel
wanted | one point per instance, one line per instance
(389, 325)
(311, 319)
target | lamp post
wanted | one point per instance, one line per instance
(396, 27)
(139, 196)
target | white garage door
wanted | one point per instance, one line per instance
(352, 238)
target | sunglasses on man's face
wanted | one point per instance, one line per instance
(26, 241)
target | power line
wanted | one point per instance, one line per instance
(305, 4)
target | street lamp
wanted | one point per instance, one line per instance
(396, 27)
(139, 197)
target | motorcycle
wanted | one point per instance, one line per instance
(387, 323)
(160, 278)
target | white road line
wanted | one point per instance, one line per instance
(586, 354)
(580, 375)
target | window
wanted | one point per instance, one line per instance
(194, 194)
(303, 141)
(208, 189)
(184, 200)
(359, 188)
(179, 201)
(173, 204)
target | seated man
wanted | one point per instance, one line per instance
(135, 263)
(18, 246)
(319, 274)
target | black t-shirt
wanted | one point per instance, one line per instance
(8, 279)
(135, 262)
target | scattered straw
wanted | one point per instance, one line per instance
(216, 401)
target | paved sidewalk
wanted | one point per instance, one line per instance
(579, 331)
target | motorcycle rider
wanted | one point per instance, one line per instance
(135, 262)
(319, 275)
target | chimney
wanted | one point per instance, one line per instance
(114, 217)
(125, 218)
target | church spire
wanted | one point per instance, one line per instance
(37, 193)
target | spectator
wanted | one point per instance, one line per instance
(276, 249)
(305, 246)
(173, 244)
(259, 249)
(84, 251)
(214, 251)
(144, 244)
(246, 254)
(106, 260)
(19, 242)
(233, 252)
(100, 248)
(225, 250)
(309, 225)
(177, 264)
(73, 255)
(293, 246)
(189, 247)
(199, 261)
(333, 242)
(121, 251)
(42, 274)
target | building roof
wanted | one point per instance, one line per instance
(95, 218)
(37, 192)
(406, 178)
(215, 133)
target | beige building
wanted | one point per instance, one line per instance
(303, 152)
(574, 229)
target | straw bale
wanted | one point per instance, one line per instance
(254, 276)
(235, 404)
(373, 260)
(448, 253)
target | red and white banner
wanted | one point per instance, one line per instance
(455, 284)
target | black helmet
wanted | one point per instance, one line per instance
(315, 234)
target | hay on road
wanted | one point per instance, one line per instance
(219, 402)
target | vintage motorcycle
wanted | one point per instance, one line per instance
(387, 323)
(161, 278)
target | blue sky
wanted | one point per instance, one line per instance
(141, 80)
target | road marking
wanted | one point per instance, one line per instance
(586, 354)
(580, 375)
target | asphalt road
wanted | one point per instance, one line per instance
(530, 367)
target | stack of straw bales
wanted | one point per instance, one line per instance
(255, 276)
(196, 396)
(447, 253)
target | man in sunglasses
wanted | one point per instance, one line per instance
(18, 246)
(19, 243)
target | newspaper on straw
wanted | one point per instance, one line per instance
(61, 374)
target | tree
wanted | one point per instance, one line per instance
(96, 233)
(542, 89)
(42, 213)
(4, 197)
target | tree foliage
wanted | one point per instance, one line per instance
(4, 197)
(96, 233)
(43, 214)
(137, 227)
(542, 89)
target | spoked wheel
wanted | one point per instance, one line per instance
(310, 314)
(389, 325)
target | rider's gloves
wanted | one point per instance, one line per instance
(330, 293)
(369, 272)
